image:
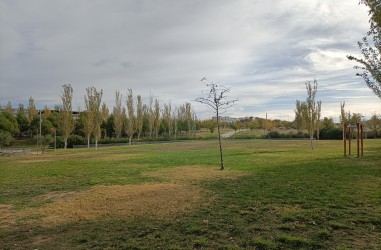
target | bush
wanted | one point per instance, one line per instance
(331, 134)
(72, 140)
(6, 138)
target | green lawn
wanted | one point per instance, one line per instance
(274, 194)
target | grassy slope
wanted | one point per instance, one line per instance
(292, 197)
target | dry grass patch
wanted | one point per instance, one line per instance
(163, 200)
(193, 174)
(7, 216)
(78, 156)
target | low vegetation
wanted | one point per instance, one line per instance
(272, 195)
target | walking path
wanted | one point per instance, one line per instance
(228, 134)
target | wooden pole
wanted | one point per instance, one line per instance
(349, 140)
(362, 140)
(345, 139)
(358, 139)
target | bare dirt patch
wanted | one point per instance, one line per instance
(163, 200)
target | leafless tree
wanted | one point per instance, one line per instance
(156, 118)
(216, 98)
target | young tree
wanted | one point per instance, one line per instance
(22, 120)
(151, 116)
(216, 99)
(156, 118)
(97, 115)
(66, 121)
(105, 115)
(167, 117)
(375, 124)
(312, 109)
(139, 116)
(32, 113)
(131, 116)
(318, 117)
(118, 115)
(93, 100)
(370, 47)
(300, 113)
(343, 118)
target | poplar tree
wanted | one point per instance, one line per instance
(139, 116)
(156, 118)
(105, 115)
(97, 115)
(312, 109)
(167, 117)
(131, 116)
(66, 120)
(118, 115)
(88, 126)
(32, 113)
(151, 117)
(93, 100)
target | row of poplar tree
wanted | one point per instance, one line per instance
(129, 118)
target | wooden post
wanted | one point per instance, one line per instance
(349, 140)
(358, 139)
(345, 139)
(362, 140)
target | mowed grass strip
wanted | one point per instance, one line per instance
(274, 195)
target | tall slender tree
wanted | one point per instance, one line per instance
(97, 115)
(32, 113)
(216, 98)
(66, 120)
(156, 118)
(118, 114)
(139, 115)
(88, 127)
(131, 116)
(311, 112)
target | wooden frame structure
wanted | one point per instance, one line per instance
(348, 135)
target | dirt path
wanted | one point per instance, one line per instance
(228, 134)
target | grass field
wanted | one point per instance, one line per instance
(273, 195)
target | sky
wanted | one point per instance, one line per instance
(263, 51)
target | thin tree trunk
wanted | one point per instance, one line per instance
(96, 143)
(219, 141)
(129, 141)
(88, 141)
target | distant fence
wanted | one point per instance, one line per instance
(14, 151)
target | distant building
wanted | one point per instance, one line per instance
(226, 119)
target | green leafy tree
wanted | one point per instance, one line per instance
(66, 120)
(22, 120)
(131, 116)
(370, 47)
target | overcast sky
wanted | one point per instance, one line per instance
(264, 51)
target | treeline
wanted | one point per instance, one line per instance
(129, 118)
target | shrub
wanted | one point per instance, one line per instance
(6, 138)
